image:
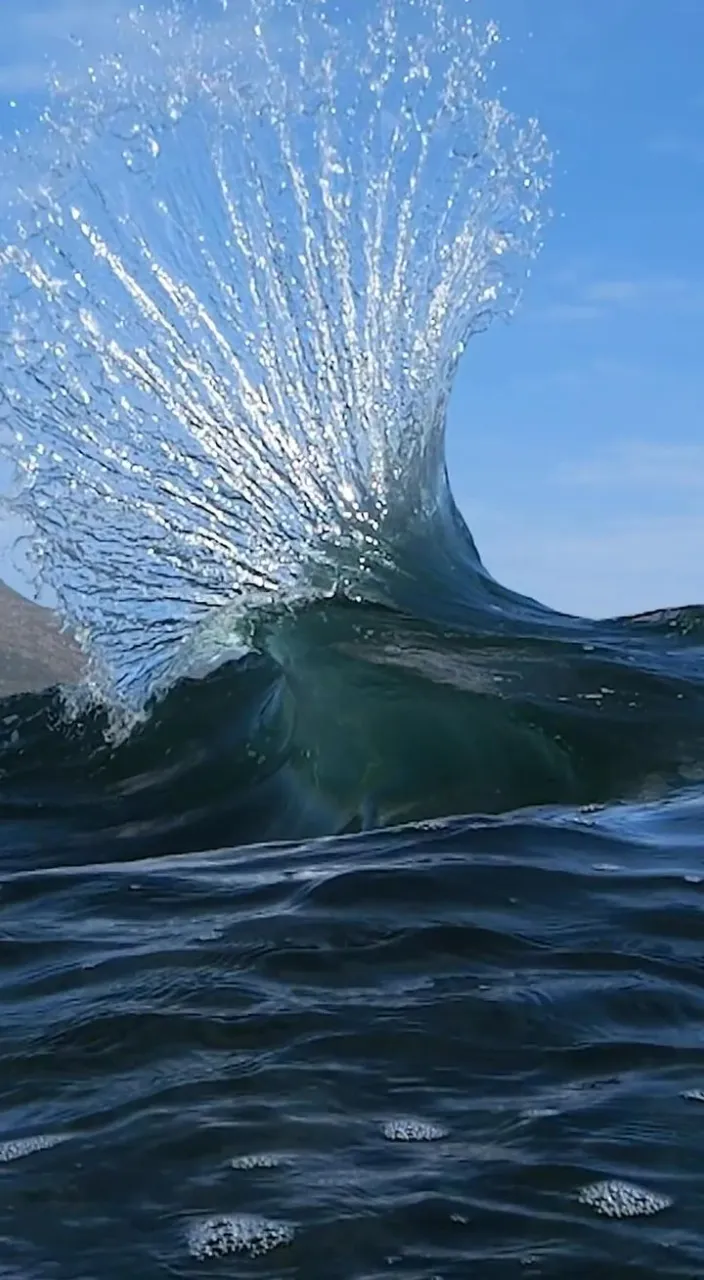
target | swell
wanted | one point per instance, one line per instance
(358, 716)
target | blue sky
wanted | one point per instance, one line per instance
(576, 431)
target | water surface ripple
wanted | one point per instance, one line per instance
(411, 1050)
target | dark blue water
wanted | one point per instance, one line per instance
(532, 988)
(408, 1051)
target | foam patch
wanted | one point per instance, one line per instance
(262, 1160)
(412, 1131)
(16, 1148)
(616, 1199)
(218, 1237)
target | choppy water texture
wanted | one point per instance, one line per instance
(269, 1005)
(408, 1053)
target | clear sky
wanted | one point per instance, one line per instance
(577, 441)
(576, 431)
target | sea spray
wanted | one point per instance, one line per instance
(243, 260)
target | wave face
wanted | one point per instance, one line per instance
(356, 717)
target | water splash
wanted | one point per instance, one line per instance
(244, 259)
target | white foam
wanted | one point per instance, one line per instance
(16, 1148)
(406, 1130)
(256, 1160)
(220, 1236)
(617, 1199)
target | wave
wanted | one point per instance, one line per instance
(355, 717)
(250, 255)
(243, 261)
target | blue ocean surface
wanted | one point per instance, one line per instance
(350, 903)
(406, 1052)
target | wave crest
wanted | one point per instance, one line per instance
(243, 263)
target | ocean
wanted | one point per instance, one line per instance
(350, 902)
